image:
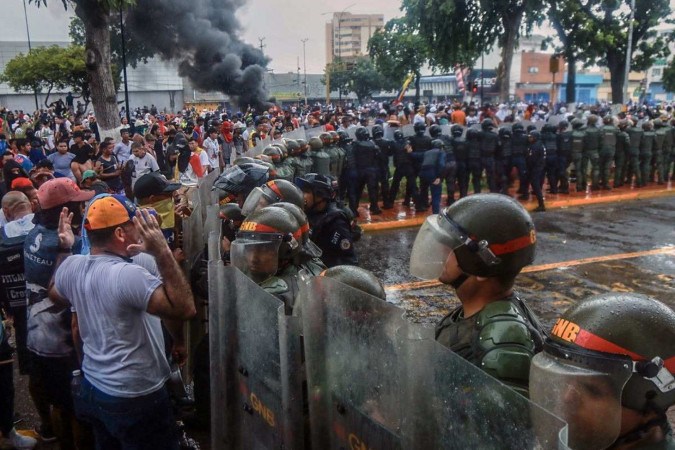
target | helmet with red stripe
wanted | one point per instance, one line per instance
(491, 235)
(610, 351)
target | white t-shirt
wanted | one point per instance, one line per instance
(143, 165)
(212, 150)
(122, 151)
(123, 344)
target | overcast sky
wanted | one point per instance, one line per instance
(283, 23)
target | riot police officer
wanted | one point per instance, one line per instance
(549, 139)
(461, 154)
(265, 249)
(607, 370)
(239, 180)
(635, 134)
(658, 162)
(386, 147)
(403, 165)
(450, 171)
(489, 147)
(432, 172)
(330, 225)
(503, 163)
(518, 151)
(610, 135)
(478, 246)
(474, 160)
(320, 159)
(564, 156)
(536, 163)
(578, 137)
(646, 149)
(348, 176)
(273, 191)
(590, 155)
(366, 159)
(419, 143)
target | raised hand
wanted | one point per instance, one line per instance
(152, 239)
(66, 236)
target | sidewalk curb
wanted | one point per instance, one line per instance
(634, 194)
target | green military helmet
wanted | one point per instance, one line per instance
(613, 349)
(292, 146)
(647, 125)
(267, 237)
(658, 123)
(491, 235)
(308, 247)
(608, 120)
(273, 191)
(273, 152)
(487, 124)
(315, 144)
(335, 136)
(577, 123)
(563, 124)
(326, 139)
(435, 131)
(303, 144)
(283, 148)
(244, 160)
(592, 119)
(437, 143)
(358, 278)
(623, 124)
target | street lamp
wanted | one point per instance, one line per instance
(25, 14)
(304, 62)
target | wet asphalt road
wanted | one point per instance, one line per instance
(563, 235)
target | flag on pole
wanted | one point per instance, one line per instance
(404, 88)
(460, 74)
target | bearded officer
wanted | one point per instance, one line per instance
(478, 246)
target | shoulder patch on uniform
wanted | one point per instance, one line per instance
(345, 244)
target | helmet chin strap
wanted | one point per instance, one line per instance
(457, 282)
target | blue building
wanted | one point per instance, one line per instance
(586, 88)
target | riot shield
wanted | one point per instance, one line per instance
(352, 133)
(457, 405)
(298, 133)
(193, 236)
(316, 131)
(377, 382)
(408, 130)
(256, 376)
(352, 354)
(206, 196)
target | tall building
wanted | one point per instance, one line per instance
(347, 34)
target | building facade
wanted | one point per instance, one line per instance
(347, 34)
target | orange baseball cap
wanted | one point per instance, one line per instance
(109, 211)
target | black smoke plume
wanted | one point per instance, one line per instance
(202, 35)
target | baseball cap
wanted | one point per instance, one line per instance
(153, 183)
(109, 211)
(88, 174)
(21, 183)
(60, 191)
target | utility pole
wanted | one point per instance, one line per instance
(124, 70)
(25, 14)
(262, 46)
(299, 82)
(629, 48)
(304, 63)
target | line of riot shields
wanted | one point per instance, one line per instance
(347, 370)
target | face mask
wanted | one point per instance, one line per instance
(165, 210)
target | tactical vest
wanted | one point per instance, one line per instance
(578, 142)
(518, 143)
(501, 339)
(459, 148)
(659, 139)
(489, 142)
(647, 143)
(321, 162)
(565, 143)
(609, 137)
(592, 140)
(635, 135)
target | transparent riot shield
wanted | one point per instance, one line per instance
(256, 375)
(206, 196)
(193, 237)
(298, 133)
(316, 131)
(408, 130)
(352, 133)
(377, 382)
(352, 357)
(457, 405)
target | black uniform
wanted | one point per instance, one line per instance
(330, 230)
(550, 141)
(489, 147)
(419, 143)
(386, 147)
(536, 164)
(404, 169)
(366, 156)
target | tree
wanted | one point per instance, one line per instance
(668, 77)
(47, 68)
(336, 76)
(605, 25)
(574, 32)
(398, 50)
(364, 79)
(96, 16)
(459, 31)
(136, 50)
